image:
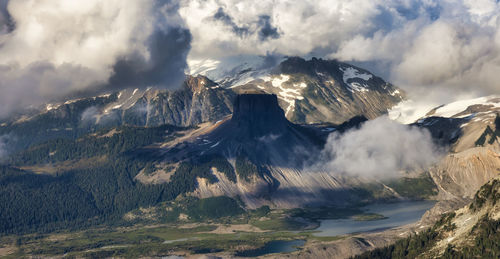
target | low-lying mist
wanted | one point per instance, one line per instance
(380, 148)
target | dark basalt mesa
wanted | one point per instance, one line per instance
(258, 114)
(259, 131)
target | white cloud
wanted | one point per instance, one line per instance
(52, 48)
(4, 145)
(448, 45)
(416, 44)
(380, 148)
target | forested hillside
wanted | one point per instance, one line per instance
(102, 190)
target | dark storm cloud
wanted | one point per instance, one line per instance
(222, 16)
(165, 67)
(267, 30)
(6, 22)
(262, 26)
(55, 49)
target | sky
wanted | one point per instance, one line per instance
(437, 51)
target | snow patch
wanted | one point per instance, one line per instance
(358, 87)
(243, 80)
(214, 145)
(454, 108)
(287, 92)
(409, 111)
(352, 73)
(201, 67)
(72, 101)
(396, 92)
(50, 106)
(277, 82)
(125, 102)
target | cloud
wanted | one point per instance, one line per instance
(90, 115)
(262, 27)
(222, 16)
(380, 148)
(5, 141)
(165, 65)
(6, 22)
(51, 49)
(422, 46)
(267, 30)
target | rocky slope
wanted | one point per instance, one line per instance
(198, 100)
(471, 130)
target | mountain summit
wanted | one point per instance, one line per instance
(257, 114)
(259, 131)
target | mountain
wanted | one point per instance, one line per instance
(470, 128)
(251, 165)
(465, 221)
(198, 100)
(314, 91)
(259, 130)
(317, 90)
(87, 162)
(255, 156)
(262, 158)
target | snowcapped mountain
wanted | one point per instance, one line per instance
(463, 122)
(471, 130)
(312, 91)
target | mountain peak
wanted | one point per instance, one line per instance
(258, 111)
(197, 83)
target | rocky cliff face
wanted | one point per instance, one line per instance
(469, 129)
(198, 100)
(256, 115)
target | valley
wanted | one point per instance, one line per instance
(223, 235)
(276, 129)
(234, 180)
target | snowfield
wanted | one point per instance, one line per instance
(455, 108)
(352, 73)
(289, 92)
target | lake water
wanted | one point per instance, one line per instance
(278, 246)
(398, 214)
